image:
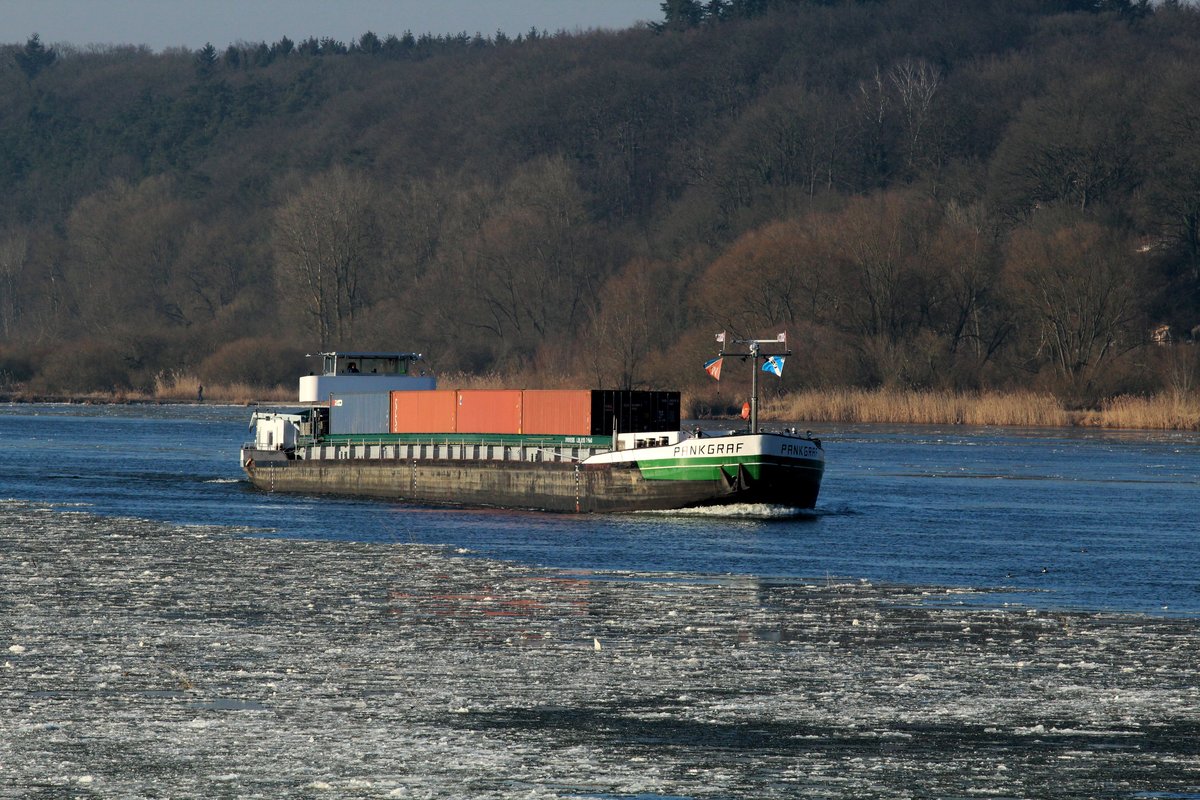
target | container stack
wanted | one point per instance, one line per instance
(558, 412)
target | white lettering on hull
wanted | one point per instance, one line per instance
(801, 450)
(710, 449)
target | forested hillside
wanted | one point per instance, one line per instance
(961, 194)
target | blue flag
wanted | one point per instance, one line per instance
(774, 365)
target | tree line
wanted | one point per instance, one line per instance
(985, 194)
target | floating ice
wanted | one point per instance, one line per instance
(353, 670)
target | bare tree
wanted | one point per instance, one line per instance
(323, 240)
(777, 274)
(872, 112)
(124, 243)
(1078, 280)
(790, 141)
(1174, 189)
(624, 328)
(1073, 145)
(964, 263)
(877, 243)
(530, 276)
(916, 82)
(14, 249)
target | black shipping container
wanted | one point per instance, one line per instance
(634, 411)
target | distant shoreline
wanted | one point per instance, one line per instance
(20, 398)
(1167, 412)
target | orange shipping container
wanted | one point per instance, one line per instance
(428, 411)
(564, 412)
(489, 411)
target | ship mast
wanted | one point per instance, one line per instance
(755, 354)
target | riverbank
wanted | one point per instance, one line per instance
(1012, 409)
(1173, 412)
(233, 395)
(140, 657)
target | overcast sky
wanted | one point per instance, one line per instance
(191, 23)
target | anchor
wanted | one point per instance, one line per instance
(739, 481)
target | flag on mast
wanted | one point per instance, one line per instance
(774, 365)
(713, 368)
(721, 337)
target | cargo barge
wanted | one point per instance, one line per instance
(368, 427)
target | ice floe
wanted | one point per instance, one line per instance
(276, 668)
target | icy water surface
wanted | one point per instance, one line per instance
(968, 613)
(148, 660)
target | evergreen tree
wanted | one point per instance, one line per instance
(745, 9)
(680, 14)
(332, 47)
(206, 60)
(369, 43)
(715, 10)
(35, 57)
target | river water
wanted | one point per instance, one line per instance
(968, 612)
(1058, 519)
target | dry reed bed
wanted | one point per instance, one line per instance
(1172, 412)
(1019, 409)
(185, 387)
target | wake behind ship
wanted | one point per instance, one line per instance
(367, 426)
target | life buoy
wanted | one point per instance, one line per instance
(249, 464)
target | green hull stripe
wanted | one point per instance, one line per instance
(700, 469)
